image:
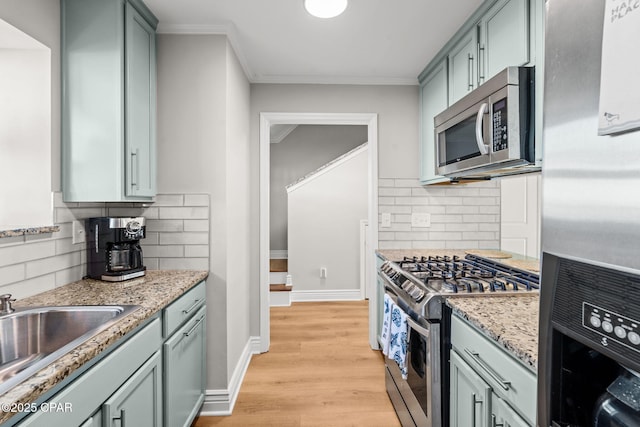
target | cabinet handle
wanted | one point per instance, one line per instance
(121, 418)
(193, 328)
(494, 423)
(134, 168)
(190, 309)
(470, 79)
(497, 378)
(480, 63)
(474, 402)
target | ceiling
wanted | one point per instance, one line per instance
(276, 41)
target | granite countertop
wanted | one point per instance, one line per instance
(153, 292)
(510, 321)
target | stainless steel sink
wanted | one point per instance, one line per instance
(32, 338)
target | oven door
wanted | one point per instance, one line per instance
(421, 391)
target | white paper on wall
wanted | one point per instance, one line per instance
(620, 77)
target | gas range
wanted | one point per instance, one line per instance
(421, 284)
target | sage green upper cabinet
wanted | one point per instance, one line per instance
(109, 86)
(463, 67)
(433, 100)
(504, 38)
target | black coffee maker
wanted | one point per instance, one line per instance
(113, 248)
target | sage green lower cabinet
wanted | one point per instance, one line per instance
(86, 395)
(489, 386)
(185, 371)
(503, 416)
(470, 395)
(138, 403)
(155, 378)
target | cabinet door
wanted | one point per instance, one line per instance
(504, 37)
(470, 395)
(502, 415)
(462, 66)
(433, 100)
(138, 403)
(185, 372)
(140, 101)
(94, 421)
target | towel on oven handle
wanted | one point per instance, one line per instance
(394, 334)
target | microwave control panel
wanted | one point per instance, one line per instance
(499, 120)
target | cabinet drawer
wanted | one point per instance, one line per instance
(183, 308)
(508, 378)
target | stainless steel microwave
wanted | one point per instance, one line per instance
(489, 132)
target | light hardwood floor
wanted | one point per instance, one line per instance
(319, 371)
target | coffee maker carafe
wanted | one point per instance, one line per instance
(113, 248)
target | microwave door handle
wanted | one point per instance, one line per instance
(484, 148)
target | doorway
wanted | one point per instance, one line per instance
(266, 121)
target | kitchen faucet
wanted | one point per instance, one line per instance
(5, 304)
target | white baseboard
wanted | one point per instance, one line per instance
(220, 402)
(326, 295)
(279, 254)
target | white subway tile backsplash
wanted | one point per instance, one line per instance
(187, 238)
(196, 225)
(165, 225)
(12, 273)
(462, 216)
(169, 200)
(196, 200)
(184, 212)
(183, 263)
(177, 239)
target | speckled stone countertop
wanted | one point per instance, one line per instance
(153, 292)
(510, 321)
(31, 230)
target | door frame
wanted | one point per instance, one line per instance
(266, 120)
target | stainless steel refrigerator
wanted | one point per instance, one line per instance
(589, 348)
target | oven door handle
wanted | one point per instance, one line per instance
(497, 378)
(484, 148)
(419, 329)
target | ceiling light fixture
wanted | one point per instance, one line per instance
(325, 8)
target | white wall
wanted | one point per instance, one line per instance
(304, 150)
(41, 20)
(324, 227)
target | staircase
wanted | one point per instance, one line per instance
(279, 291)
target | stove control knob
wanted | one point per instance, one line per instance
(634, 338)
(595, 321)
(620, 332)
(607, 326)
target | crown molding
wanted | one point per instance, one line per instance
(226, 29)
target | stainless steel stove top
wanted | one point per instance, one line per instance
(421, 283)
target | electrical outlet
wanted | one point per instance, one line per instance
(78, 234)
(420, 220)
(386, 220)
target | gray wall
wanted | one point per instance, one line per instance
(304, 150)
(203, 145)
